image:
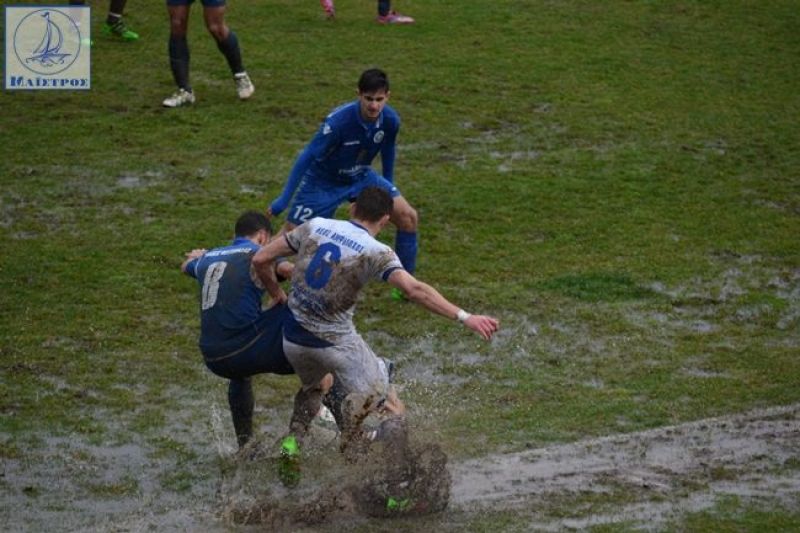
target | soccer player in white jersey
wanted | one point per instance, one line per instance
(335, 259)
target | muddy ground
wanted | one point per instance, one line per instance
(643, 480)
(658, 475)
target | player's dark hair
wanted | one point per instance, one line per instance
(372, 204)
(373, 80)
(250, 222)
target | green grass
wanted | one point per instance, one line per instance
(731, 514)
(616, 181)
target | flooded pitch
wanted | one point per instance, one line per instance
(647, 478)
(650, 477)
(664, 473)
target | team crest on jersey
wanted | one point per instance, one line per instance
(378, 136)
(326, 128)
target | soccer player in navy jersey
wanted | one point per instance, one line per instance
(227, 42)
(237, 338)
(336, 165)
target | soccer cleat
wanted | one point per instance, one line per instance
(394, 505)
(393, 17)
(244, 87)
(330, 10)
(179, 99)
(397, 295)
(119, 30)
(289, 462)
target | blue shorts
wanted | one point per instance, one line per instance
(320, 197)
(257, 350)
(206, 3)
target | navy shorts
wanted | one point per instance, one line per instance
(206, 3)
(320, 197)
(257, 350)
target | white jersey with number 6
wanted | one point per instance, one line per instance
(335, 259)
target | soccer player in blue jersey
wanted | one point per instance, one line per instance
(227, 42)
(237, 338)
(335, 259)
(336, 165)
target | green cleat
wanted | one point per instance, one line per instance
(289, 462)
(397, 295)
(395, 505)
(120, 31)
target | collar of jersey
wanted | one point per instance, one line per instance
(241, 240)
(356, 224)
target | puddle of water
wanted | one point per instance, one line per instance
(740, 455)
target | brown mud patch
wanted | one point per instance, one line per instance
(375, 487)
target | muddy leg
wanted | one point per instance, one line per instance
(307, 402)
(240, 400)
(354, 441)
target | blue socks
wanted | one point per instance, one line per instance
(179, 61)
(384, 6)
(405, 244)
(230, 49)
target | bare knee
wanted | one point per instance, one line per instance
(178, 25)
(218, 30)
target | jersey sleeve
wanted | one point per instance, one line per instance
(191, 267)
(322, 144)
(388, 150)
(385, 263)
(300, 166)
(299, 234)
(325, 141)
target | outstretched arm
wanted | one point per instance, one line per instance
(300, 166)
(323, 143)
(191, 256)
(429, 298)
(264, 265)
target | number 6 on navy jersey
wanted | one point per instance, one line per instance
(321, 265)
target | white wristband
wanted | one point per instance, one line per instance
(462, 316)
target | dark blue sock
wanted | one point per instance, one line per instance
(179, 61)
(240, 400)
(230, 49)
(384, 6)
(405, 244)
(77, 2)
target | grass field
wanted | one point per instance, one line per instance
(616, 181)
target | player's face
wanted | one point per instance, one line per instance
(372, 104)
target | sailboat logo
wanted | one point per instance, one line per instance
(51, 41)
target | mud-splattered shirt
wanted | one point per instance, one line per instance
(335, 259)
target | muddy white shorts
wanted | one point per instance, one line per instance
(351, 360)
